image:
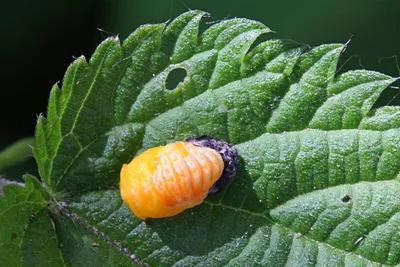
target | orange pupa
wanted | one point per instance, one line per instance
(166, 180)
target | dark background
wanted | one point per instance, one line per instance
(41, 38)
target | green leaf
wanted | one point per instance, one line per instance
(19, 151)
(16, 160)
(318, 178)
(80, 247)
(21, 214)
(362, 218)
(287, 165)
(31, 235)
(383, 118)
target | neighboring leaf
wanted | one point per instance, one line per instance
(20, 208)
(40, 245)
(31, 236)
(302, 135)
(16, 152)
(16, 160)
(16, 171)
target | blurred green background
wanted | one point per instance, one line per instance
(42, 37)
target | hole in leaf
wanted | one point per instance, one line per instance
(346, 199)
(175, 77)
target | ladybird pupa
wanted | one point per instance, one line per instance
(166, 180)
